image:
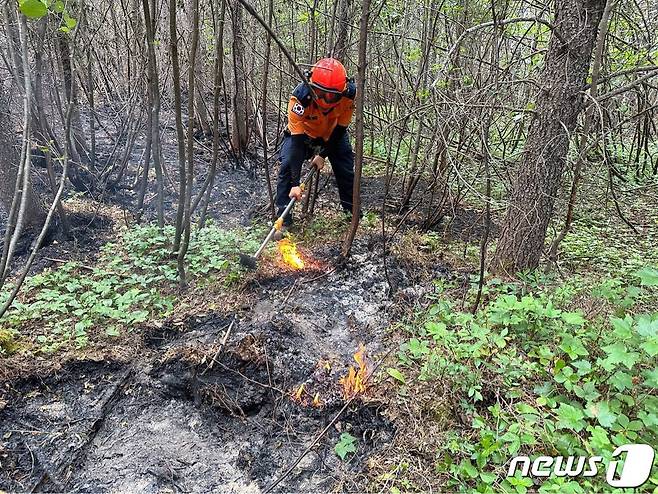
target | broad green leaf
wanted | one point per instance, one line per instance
(647, 326)
(570, 417)
(345, 445)
(651, 347)
(436, 329)
(651, 378)
(648, 276)
(622, 327)
(396, 374)
(70, 22)
(467, 467)
(33, 9)
(574, 318)
(487, 477)
(583, 367)
(573, 346)
(601, 412)
(525, 408)
(587, 391)
(599, 439)
(621, 380)
(618, 354)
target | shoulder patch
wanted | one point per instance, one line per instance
(303, 94)
(350, 91)
(298, 109)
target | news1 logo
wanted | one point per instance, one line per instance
(635, 471)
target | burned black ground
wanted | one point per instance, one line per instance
(174, 410)
(187, 415)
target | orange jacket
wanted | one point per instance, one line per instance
(306, 117)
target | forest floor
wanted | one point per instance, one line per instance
(237, 378)
(226, 385)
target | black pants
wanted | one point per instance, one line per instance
(341, 158)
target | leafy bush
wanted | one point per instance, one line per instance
(534, 378)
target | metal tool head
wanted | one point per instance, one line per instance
(249, 262)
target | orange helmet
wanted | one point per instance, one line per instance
(329, 80)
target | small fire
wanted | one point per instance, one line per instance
(290, 255)
(298, 394)
(302, 396)
(324, 365)
(355, 380)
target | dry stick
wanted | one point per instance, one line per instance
(102, 409)
(285, 300)
(248, 379)
(221, 346)
(324, 431)
(311, 446)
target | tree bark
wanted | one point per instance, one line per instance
(558, 105)
(240, 128)
(180, 137)
(339, 49)
(360, 96)
(9, 163)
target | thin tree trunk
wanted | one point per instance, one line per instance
(266, 66)
(180, 137)
(240, 130)
(358, 160)
(190, 146)
(153, 128)
(339, 49)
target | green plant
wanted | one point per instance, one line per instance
(7, 341)
(133, 281)
(537, 378)
(345, 445)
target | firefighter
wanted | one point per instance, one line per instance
(317, 129)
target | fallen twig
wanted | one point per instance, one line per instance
(321, 275)
(292, 288)
(102, 409)
(221, 346)
(289, 470)
(83, 266)
(257, 383)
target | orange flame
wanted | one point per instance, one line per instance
(355, 380)
(289, 254)
(298, 394)
(324, 365)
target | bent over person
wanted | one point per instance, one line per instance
(318, 123)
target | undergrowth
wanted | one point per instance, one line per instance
(134, 280)
(528, 374)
